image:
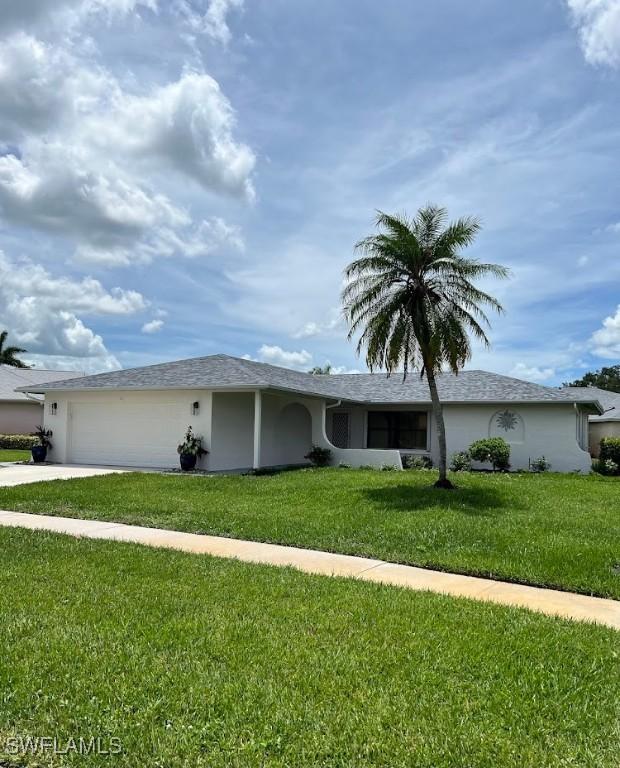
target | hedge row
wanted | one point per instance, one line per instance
(17, 442)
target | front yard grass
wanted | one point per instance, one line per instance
(10, 455)
(197, 661)
(551, 530)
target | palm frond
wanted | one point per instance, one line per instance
(411, 294)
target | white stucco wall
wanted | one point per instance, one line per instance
(290, 425)
(549, 430)
(357, 455)
(232, 431)
(118, 421)
(19, 418)
(286, 434)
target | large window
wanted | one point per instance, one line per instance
(404, 430)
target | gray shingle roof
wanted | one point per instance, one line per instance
(212, 372)
(467, 386)
(11, 378)
(609, 400)
(224, 372)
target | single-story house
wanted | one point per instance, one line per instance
(22, 412)
(253, 415)
(606, 424)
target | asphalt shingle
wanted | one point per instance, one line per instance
(225, 372)
(609, 400)
(11, 378)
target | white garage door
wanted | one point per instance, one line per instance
(125, 433)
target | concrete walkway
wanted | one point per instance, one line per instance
(548, 601)
(19, 474)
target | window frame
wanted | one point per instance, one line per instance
(391, 415)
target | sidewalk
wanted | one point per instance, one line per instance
(549, 601)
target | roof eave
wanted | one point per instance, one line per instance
(189, 387)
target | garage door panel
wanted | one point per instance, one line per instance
(125, 433)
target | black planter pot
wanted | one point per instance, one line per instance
(39, 453)
(188, 461)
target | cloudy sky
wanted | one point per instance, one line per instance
(185, 177)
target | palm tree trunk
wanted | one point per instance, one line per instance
(443, 481)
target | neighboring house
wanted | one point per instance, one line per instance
(256, 415)
(608, 423)
(21, 413)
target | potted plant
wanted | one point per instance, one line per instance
(189, 450)
(39, 451)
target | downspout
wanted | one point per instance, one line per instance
(334, 405)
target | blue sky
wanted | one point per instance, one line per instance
(185, 177)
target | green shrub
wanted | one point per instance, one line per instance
(610, 450)
(417, 462)
(494, 450)
(320, 457)
(460, 462)
(606, 467)
(17, 442)
(540, 464)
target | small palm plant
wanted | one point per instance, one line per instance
(8, 355)
(44, 443)
(412, 297)
(190, 450)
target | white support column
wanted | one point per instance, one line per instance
(257, 427)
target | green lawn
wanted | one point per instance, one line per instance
(9, 455)
(554, 530)
(196, 661)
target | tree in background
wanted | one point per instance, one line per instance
(411, 295)
(321, 371)
(8, 354)
(607, 378)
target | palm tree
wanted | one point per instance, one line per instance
(319, 370)
(412, 297)
(7, 354)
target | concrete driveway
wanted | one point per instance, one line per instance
(18, 474)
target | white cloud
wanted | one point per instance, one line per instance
(313, 328)
(598, 24)
(164, 242)
(278, 356)
(337, 369)
(213, 22)
(606, 341)
(26, 13)
(41, 84)
(74, 164)
(188, 126)
(55, 189)
(153, 326)
(114, 221)
(44, 312)
(532, 373)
